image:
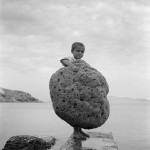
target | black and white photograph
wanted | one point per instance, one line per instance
(75, 75)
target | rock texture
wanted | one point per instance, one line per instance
(15, 96)
(79, 95)
(26, 142)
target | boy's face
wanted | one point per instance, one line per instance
(78, 52)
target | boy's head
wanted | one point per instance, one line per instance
(78, 50)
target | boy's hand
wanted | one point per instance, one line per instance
(66, 63)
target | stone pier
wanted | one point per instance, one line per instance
(97, 141)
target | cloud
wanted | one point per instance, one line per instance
(122, 33)
(37, 33)
(36, 30)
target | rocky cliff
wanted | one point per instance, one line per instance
(7, 95)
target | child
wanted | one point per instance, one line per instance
(77, 50)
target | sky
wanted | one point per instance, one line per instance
(36, 34)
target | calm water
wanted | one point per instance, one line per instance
(129, 123)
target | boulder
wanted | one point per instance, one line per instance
(79, 95)
(27, 142)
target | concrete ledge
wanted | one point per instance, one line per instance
(97, 141)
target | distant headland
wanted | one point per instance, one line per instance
(7, 95)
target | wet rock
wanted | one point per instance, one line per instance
(26, 142)
(79, 95)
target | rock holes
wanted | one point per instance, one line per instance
(81, 99)
(75, 104)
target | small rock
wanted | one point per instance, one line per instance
(26, 142)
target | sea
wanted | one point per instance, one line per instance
(129, 122)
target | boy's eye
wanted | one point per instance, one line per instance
(82, 51)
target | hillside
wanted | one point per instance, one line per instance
(7, 95)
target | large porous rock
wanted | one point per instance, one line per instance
(27, 142)
(79, 95)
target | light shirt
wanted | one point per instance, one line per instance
(71, 59)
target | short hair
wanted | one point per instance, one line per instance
(75, 44)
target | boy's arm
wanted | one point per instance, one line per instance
(66, 62)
